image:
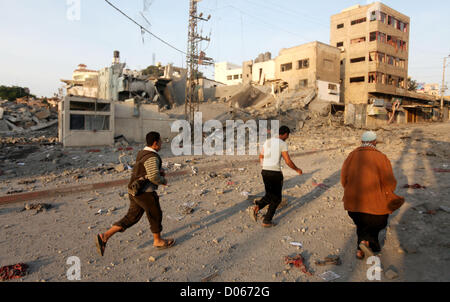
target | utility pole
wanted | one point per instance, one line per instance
(194, 58)
(443, 88)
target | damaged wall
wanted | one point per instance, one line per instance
(135, 125)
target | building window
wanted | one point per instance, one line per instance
(236, 77)
(303, 83)
(229, 78)
(286, 67)
(332, 86)
(373, 15)
(356, 60)
(358, 40)
(373, 36)
(357, 79)
(89, 122)
(340, 25)
(89, 106)
(339, 44)
(362, 20)
(372, 77)
(390, 20)
(382, 17)
(390, 60)
(303, 64)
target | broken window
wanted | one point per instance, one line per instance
(358, 40)
(303, 64)
(303, 83)
(82, 106)
(286, 67)
(357, 79)
(340, 25)
(89, 106)
(332, 86)
(339, 44)
(373, 16)
(76, 122)
(89, 122)
(373, 36)
(372, 77)
(372, 56)
(358, 21)
(356, 60)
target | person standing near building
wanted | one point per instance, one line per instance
(270, 157)
(148, 173)
(369, 198)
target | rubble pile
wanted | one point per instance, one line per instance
(26, 114)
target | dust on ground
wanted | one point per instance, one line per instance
(216, 235)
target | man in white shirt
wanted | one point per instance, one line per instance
(273, 150)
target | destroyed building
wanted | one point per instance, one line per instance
(112, 102)
(374, 43)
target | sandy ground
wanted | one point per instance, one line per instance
(218, 236)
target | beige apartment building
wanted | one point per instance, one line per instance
(374, 43)
(308, 65)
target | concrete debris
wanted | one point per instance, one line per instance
(329, 276)
(333, 259)
(39, 207)
(27, 114)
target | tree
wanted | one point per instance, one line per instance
(13, 92)
(153, 71)
(412, 85)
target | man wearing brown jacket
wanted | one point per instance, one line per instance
(148, 166)
(369, 198)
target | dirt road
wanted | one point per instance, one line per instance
(219, 237)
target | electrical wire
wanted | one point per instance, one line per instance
(143, 28)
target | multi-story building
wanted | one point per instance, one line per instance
(374, 43)
(314, 65)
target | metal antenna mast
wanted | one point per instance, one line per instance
(194, 58)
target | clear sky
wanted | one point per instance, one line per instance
(39, 44)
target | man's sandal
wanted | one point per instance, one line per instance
(167, 244)
(366, 250)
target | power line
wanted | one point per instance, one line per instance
(143, 28)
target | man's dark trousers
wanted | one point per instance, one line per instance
(273, 182)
